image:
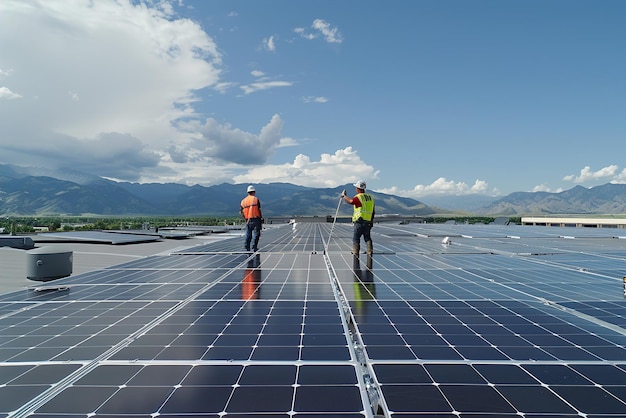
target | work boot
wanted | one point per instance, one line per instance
(356, 249)
(370, 247)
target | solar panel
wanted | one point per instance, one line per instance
(492, 324)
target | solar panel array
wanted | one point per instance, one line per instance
(501, 321)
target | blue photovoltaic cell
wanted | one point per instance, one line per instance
(500, 321)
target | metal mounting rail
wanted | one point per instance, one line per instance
(374, 402)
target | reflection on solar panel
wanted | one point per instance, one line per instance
(500, 321)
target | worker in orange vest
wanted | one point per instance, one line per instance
(251, 212)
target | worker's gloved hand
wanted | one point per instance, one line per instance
(343, 193)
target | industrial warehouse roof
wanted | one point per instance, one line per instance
(500, 321)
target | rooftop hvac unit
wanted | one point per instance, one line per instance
(47, 263)
(24, 243)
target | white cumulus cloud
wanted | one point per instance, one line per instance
(586, 174)
(331, 170)
(85, 71)
(620, 178)
(443, 186)
(6, 93)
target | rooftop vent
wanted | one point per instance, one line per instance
(47, 263)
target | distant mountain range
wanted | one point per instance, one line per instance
(465, 203)
(26, 191)
(36, 192)
(605, 199)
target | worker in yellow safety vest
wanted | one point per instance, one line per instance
(251, 212)
(362, 217)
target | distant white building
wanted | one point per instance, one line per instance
(575, 222)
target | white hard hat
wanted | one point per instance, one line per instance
(360, 184)
(251, 189)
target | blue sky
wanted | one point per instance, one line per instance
(418, 98)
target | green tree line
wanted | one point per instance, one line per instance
(25, 225)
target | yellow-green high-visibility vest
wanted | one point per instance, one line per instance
(366, 210)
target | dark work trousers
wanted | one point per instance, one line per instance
(253, 233)
(361, 229)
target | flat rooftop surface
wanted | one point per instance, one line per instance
(500, 321)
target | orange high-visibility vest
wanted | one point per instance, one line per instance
(251, 207)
